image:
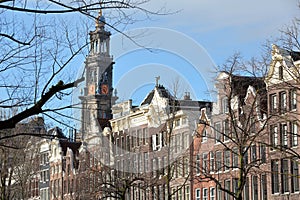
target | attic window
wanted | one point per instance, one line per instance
(280, 72)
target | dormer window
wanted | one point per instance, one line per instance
(280, 72)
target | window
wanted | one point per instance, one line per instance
(294, 175)
(204, 135)
(225, 105)
(204, 194)
(211, 161)
(293, 99)
(177, 122)
(44, 175)
(145, 135)
(218, 161)
(128, 143)
(122, 144)
(186, 167)
(197, 194)
(275, 176)
(262, 152)
(254, 188)
(184, 120)
(294, 134)
(283, 102)
(274, 135)
(44, 158)
(118, 146)
(179, 192)
(219, 196)
(227, 187)
(218, 135)
(284, 135)
(197, 164)
(146, 160)
(246, 189)
(226, 130)
(204, 162)
(227, 160)
(235, 183)
(212, 193)
(253, 153)
(245, 156)
(154, 166)
(280, 72)
(284, 176)
(235, 158)
(139, 135)
(187, 192)
(273, 103)
(157, 141)
(264, 191)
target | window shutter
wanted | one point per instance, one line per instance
(154, 142)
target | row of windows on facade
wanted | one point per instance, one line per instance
(284, 101)
(44, 158)
(159, 192)
(158, 166)
(213, 193)
(280, 102)
(179, 141)
(33, 188)
(181, 121)
(284, 135)
(44, 193)
(59, 186)
(56, 169)
(225, 160)
(285, 176)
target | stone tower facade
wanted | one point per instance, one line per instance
(97, 94)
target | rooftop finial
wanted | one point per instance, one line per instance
(100, 21)
(156, 80)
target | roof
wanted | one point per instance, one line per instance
(240, 84)
(162, 91)
(295, 55)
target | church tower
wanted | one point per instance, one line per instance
(97, 93)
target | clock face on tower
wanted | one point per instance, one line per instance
(92, 89)
(104, 89)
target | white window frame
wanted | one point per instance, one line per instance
(212, 193)
(225, 105)
(293, 99)
(157, 141)
(197, 194)
(294, 131)
(204, 135)
(204, 194)
(273, 102)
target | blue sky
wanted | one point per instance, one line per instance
(218, 28)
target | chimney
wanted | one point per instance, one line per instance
(187, 96)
